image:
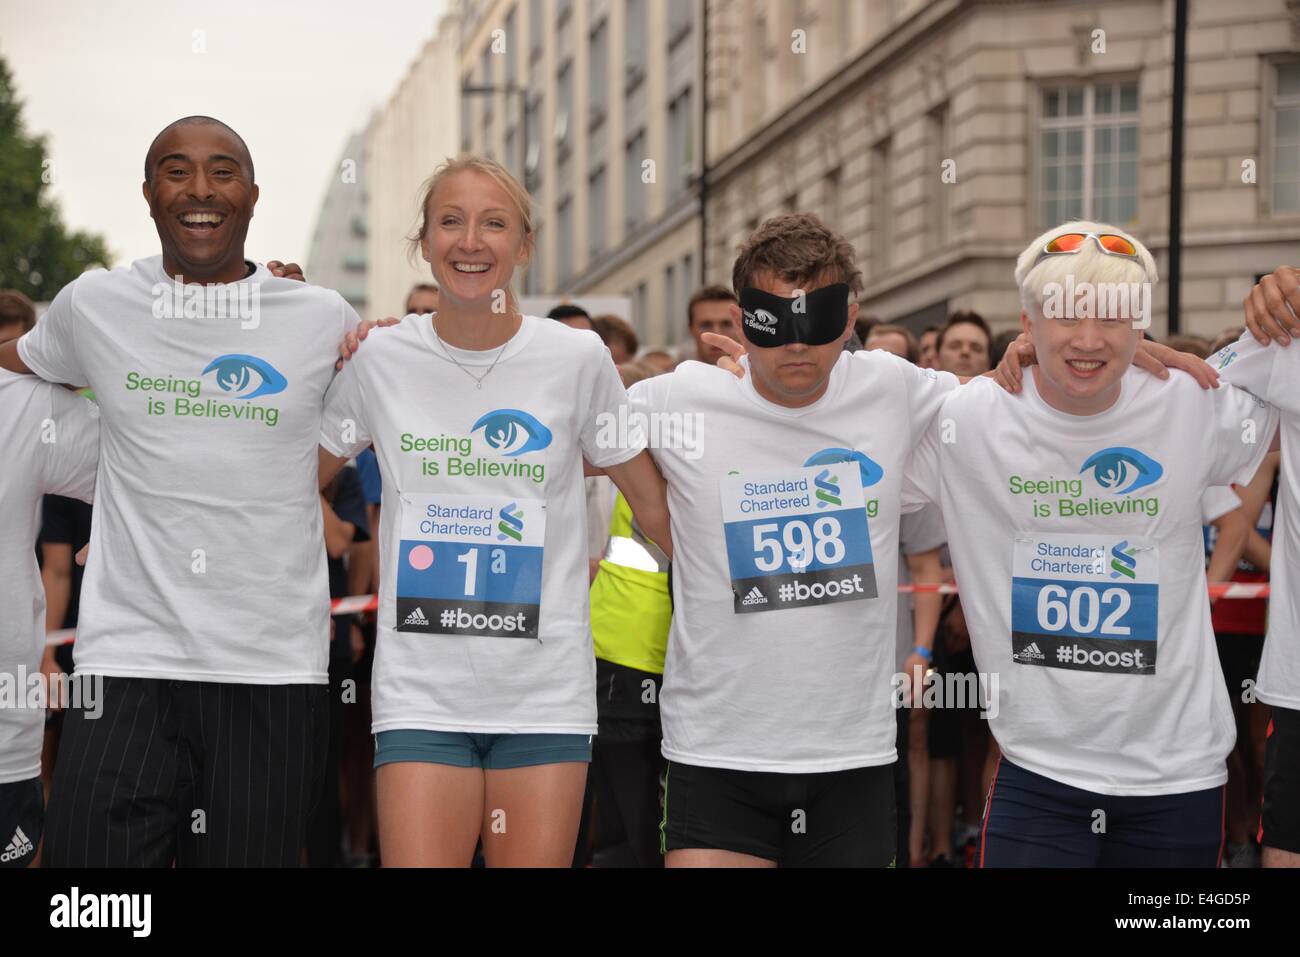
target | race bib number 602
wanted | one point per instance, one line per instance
(470, 565)
(797, 537)
(1086, 603)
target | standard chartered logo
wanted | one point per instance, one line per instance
(1123, 561)
(828, 491)
(511, 524)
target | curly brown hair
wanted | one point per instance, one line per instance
(797, 248)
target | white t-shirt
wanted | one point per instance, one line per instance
(50, 438)
(1076, 542)
(1273, 373)
(785, 562)
(207, 556)
(483, 614)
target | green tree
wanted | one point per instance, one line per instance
(38, 255)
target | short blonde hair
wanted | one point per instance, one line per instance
(1089, 264)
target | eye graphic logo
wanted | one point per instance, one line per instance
(828, 492)
(246, 376)
(511, 524)
(763, 319)
(512, 432)
(1123, 470)
(871, 472)
(1122, 561)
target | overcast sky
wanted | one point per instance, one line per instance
(101, 77)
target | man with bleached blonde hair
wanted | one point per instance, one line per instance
(1073, 511)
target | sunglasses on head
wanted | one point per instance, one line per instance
(1109, 243)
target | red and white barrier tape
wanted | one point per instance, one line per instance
(356, 604)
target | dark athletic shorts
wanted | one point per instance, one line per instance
(1032, 821)
(22, 812)
(1279, 824)
(830, 819)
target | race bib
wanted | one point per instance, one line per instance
(797, 537)
(1085, 602)
(470, 565)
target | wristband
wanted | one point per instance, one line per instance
(925, 653)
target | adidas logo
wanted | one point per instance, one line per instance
(755, 597)
(20, 845)
(416, 618)
(1030, 651)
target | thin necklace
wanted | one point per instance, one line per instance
(478, 379)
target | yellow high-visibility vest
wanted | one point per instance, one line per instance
(630, 607)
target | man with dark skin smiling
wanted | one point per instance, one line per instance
(205, 607)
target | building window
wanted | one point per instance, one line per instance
(489, 100)
(511, 158)
(939, 135)
(640, 309)
(678, 320)
(680, 142)
(533, 135)
(596, 212)
(634, 203)
(598, 73)
(536, 30)
(466, 118)
(1088, 154)
(634, 52)
(831, 200)
(511, 72)
(563, 241)
(681, 18)
(670, 288)
(1286, 138)
(564, 109)
(882, 208)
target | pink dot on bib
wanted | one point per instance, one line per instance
(421, 557)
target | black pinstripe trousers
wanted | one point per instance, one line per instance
(196, 773)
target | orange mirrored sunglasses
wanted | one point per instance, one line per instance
(1108, 243)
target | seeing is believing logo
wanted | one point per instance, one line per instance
(247, 377)
(512, 432)
(1123, 470)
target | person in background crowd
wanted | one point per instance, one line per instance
(920, 542)
(862, 328)
(1226, 338)
(630, 614)
(894, 338)
(1001, 342)
(962, 754)
(660, 360)
(619, 337)
(1198, 346)
(963, 344)
(17, 314)
(343, 511)
(422, 299)
(709, 310)
(575, 317)
(65, 530)
(930, 348)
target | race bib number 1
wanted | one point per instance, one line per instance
(1085, 603)
(470, 565)
(797, 537)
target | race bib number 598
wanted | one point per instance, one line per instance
(797, 537)
(470, 565)
(1086, 603)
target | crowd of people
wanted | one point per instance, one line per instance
(635, 608)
